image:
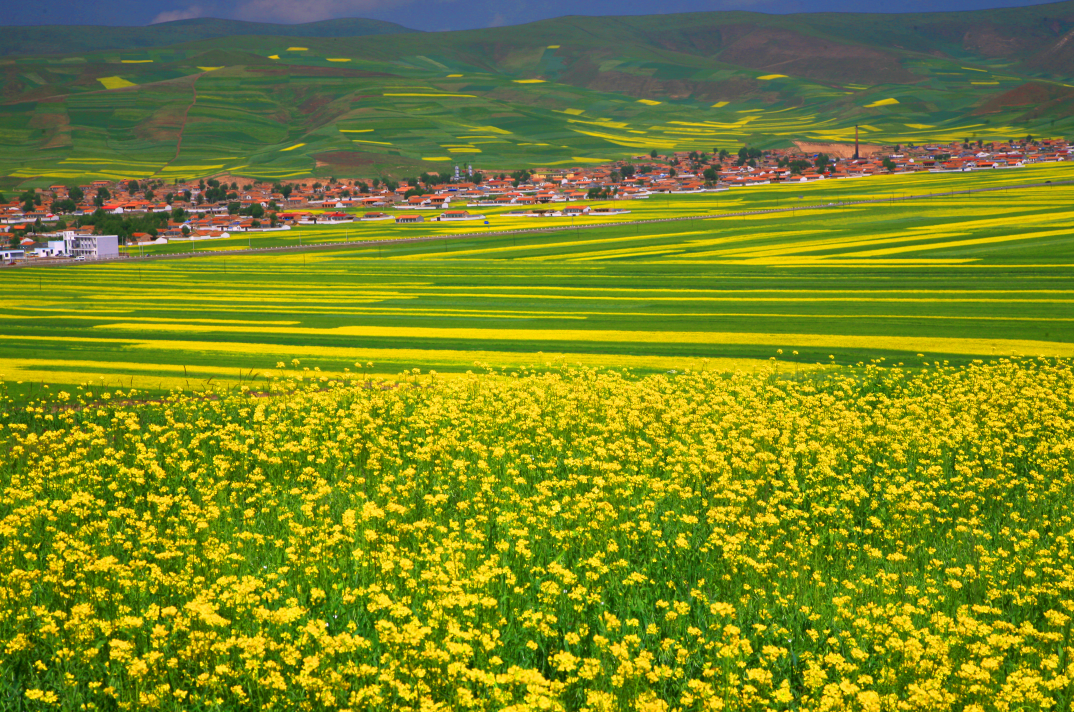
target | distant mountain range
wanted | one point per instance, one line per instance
(364, 96)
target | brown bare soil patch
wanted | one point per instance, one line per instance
(840, 150)
(795, 54)
(586, 74)
(48, 121)
(1032, 95)
(357, 163)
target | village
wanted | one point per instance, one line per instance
(93, 221)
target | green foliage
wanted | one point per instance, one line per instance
(124, 225)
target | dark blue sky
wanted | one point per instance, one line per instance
(435, 14)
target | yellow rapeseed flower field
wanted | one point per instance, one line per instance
(569, 539)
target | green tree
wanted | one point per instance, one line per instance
(821, 162)
(627, 171)
(74, 193)
(178, 214)
(64, 206)
(652, 153)
(710, 174)
(132, 187)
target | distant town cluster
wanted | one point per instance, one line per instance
(92, 221)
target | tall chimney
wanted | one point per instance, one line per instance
(856, 142)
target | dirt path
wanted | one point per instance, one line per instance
(182, 127)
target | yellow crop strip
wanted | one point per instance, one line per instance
(115, 82)
(467, 96)
(970, 346)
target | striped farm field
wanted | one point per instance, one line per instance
(944, 278)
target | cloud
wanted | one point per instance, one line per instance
(172, 15)
(297, 11)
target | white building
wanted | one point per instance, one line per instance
(91, 247)
(10, 255)
(55, 248)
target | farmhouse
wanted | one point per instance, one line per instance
(459, 215)
(405, 219)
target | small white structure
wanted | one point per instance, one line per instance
(455, 215)
(91, 247)
(12, 254)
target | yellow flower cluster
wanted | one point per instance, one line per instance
(567, 540)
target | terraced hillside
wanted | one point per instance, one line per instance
(363, 98)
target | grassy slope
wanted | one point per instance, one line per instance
(955, 278)
(67, 39)
(705, 70)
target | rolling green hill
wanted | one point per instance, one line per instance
(361, 98)
(63, 39)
